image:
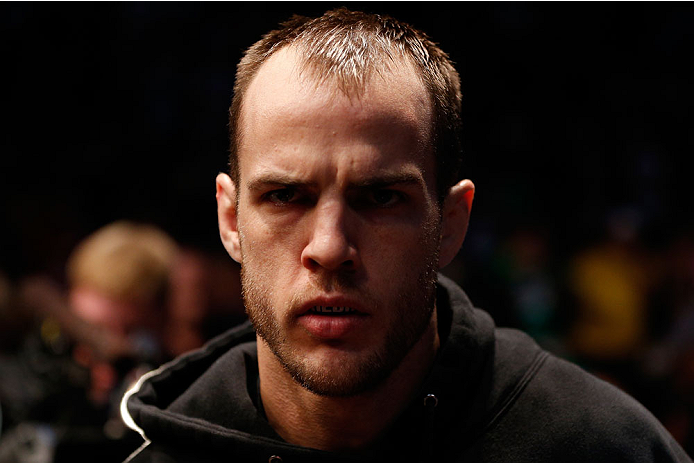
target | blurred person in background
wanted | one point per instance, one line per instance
(611, 282)
(119, 282)
(61, 384)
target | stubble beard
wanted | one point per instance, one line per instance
(413, 304)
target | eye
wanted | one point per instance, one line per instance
(282, 196)
(385, 198)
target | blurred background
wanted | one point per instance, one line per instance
(577, 133)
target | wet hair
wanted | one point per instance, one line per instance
(347, 47)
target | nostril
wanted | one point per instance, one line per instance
(313, 264)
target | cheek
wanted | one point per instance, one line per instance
(268, 254)
(401, 255)
(407, 238)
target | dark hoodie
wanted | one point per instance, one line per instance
(492, 396)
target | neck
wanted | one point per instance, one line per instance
(304, 418)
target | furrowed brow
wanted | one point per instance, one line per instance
(263, 181)
(386, 180)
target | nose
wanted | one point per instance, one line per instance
(330, 246)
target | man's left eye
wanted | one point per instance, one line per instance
(385, 198)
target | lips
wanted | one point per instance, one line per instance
(332, 319)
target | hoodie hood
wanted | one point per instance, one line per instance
(208, 399)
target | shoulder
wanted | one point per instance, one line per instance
(562, 408)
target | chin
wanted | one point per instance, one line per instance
(333, 371)
(346, 379)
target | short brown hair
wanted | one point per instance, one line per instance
(348, 46)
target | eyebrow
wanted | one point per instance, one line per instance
(266, 180)
(377, 181)
(388, 179)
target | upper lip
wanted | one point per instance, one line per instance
(332, 301)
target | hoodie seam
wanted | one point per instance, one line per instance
(139, 450)
(125, 413)
(517, 390)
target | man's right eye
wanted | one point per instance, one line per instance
(282, 196)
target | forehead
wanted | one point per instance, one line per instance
(286, 78)
(392, 107)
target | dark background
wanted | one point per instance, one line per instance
(572, 112)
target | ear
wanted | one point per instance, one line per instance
(227, 217)
(454, 220)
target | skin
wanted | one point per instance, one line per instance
(114, 319)
(117, 316)
(336, 202)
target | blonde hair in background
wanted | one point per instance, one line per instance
(124, 260)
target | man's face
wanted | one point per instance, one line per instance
(338, 223)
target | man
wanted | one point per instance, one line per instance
(342, 203)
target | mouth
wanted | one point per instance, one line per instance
(332, 320)
(332, 310)
(335, 305)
